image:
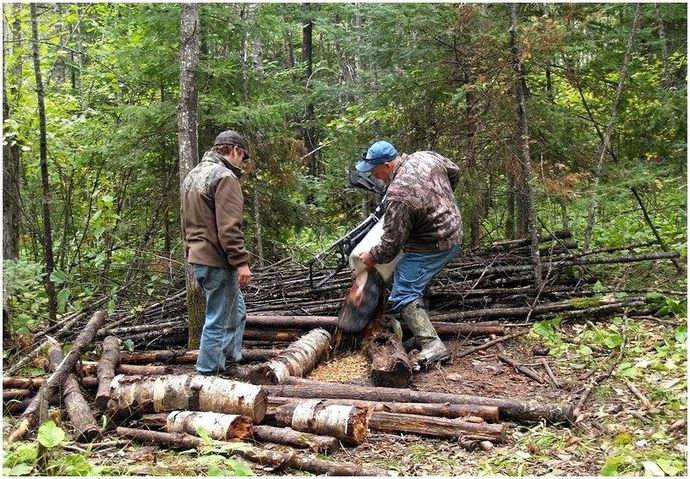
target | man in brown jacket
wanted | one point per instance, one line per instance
(212, 210)
(423, 219)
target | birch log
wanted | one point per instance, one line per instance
(298, 359)
(110, 358)
(187, 392)
(222, 427)
(347, 423)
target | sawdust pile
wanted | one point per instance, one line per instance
(344, 368)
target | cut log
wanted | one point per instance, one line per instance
(436, 426)
(299, 439)
(188, 357)
(488, 413)
(187, 392)
(347, 423)
(298, 359)
(290, 458)
(84, 424)
(29, 418)
(18, 382)
(468, 329)
(390, 365)
(222, 427)
(107, 365)
(10, 394)
(292, 322)
(275, 335)
(90, 368)
(528, 411)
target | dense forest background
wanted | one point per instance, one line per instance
(93, 210)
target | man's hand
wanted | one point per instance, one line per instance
(244, 276)
(367, 259)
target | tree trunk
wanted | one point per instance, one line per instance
(523, 133)
(79, 411)
(107, 364)
(189, 357)
(289, 458)
(30, 417)
(529, 411)
(187, 133)
(667, 80)
(609, 130)
(219, 426)
(308, 130)
(488, 413)
(346, 423)
(298, 359)
(299, 439)
(390, 365)
(193, 392)
(436, 426)
(45, 185)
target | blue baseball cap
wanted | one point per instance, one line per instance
(377, 154)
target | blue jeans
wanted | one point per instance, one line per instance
(226, 315)
(414, 271)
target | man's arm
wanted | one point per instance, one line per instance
(397, 225)
(229, 203)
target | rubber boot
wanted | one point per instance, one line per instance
(433, 350)
(396, 328)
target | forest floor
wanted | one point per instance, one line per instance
(617, 435)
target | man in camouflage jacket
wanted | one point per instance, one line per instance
(423, 219)
(212, 210)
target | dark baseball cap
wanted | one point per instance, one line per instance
(231, 137)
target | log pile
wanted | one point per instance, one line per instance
(289, 329)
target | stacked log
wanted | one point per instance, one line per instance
(138, 394)
(346, 423)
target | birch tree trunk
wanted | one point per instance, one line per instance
(523, 132)
(609, 130)
(187, 133)
(45, 185)
(667, 81)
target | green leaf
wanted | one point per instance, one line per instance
(611, 467)
(598, 287)
(585, 350)
(62, 298)
(613, 340)
(681, 334)
(667, 467)
(75, 465)
(214, 470)
(50, 435)
(58, 277)
(18, 470)
(239, 468)
(25, 452)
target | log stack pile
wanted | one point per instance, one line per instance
(150, 396)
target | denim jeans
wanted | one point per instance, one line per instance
(414, 271)
(226, 315)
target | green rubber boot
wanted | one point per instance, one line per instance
(417, 319)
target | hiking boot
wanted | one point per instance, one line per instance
(230, 372)
(432, 348)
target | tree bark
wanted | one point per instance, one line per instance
(187, 133)
(436, 426)
(187, 392)
(298, 439)
(30, 416)
(107, 365)
(667, 80)
(79, 411)
(390, 365)
(219, 426)
(346, 423)
(45, 184)
(298, 359)
(262, 456)
(523, 134)
(91, 368)
(308, 130)
(593, 204)
(529, 411)
(488, 413)
(188, 357)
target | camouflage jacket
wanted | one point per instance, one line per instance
(421, 212)
(212, 210)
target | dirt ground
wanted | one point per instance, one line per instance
(616, 434)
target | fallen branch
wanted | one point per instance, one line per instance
(30, 417)
(290, 458)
